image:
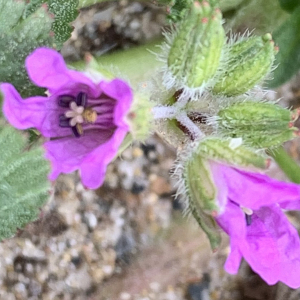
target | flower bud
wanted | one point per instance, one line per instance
(195, 50)
(249, 61)
(231, 152)
(201, 194)
(259, 124)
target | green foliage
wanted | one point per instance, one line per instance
(289, 5)
(23, 182)
(65, 11)
(18, 37)
(25, 27)
(179, 9)
(226, 5)
(287, 164)
(262, 16)
(287, 37)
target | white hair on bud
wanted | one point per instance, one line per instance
(172, 82)
(182, 191)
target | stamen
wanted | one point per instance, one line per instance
(81, 99)
(90, 115)
(246, 210)
(248, 214)
(75, 114)
(65, 100)
(76, 120)
(77, 130)
(64, 121)
(75, 108)
(248, 219)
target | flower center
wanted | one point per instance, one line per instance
(77, 114)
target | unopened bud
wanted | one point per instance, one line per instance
(248, 63)
(196, 48)
(201, 193)
(259, 124)
(231, 152)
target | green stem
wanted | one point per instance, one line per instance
(287, 164)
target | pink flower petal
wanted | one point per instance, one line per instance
(254, 190)
(38, 112)
(94, 165)
(67, 154)
(119, 90)
(46, 68)
(270, 244)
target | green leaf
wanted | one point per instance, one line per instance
(289, 5)
(19, 37)
(64, 11)
(23, 182)
(25, 27)
(287, 37)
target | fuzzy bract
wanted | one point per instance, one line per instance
(83, 121)
(258, 228)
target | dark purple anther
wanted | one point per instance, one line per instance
(75, 131)
(64, 121)
(65, 100)
(248, 219)
(81, 99)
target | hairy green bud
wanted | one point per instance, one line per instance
(259, 124)
(201, 192)
(232, 152)
(248, 63)
(196, 48)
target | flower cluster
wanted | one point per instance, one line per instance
(84, 122)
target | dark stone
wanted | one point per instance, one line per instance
(125, 247)
(199, 290)
(137, 188)
(76, 261)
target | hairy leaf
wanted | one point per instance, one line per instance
(64, 11)
(27, 26)
(23, 182)
(19, 37)
(287, 37)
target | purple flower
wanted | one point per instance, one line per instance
(84, 122)
(259, 230)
